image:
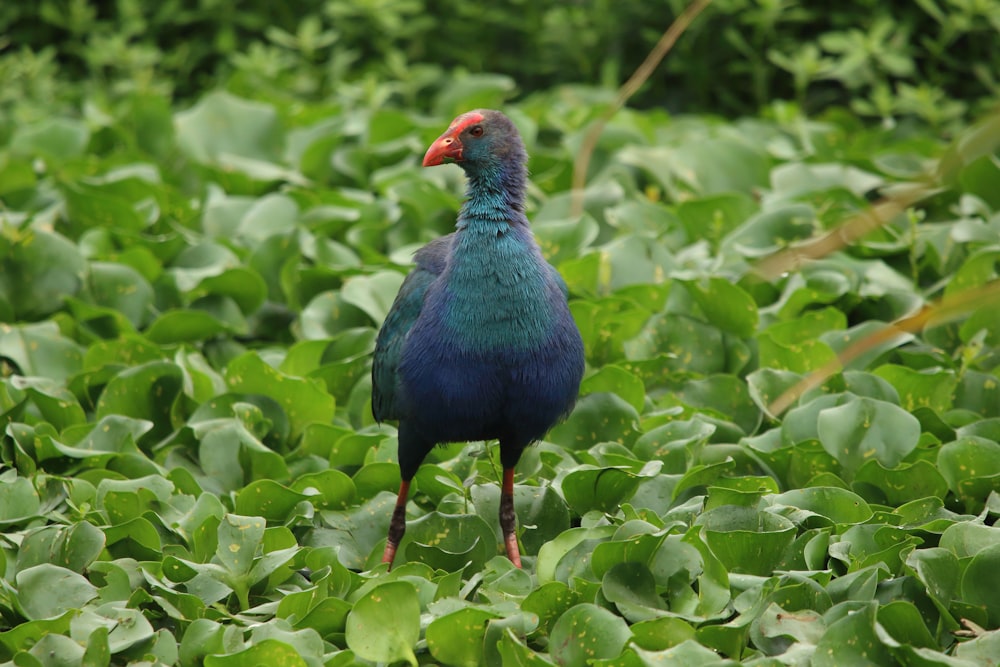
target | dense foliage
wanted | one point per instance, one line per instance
(190, 286)
(934, 59)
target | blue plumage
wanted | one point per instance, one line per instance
(479, 343)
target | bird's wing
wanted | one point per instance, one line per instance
(430, 262)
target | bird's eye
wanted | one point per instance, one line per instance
(476, 130)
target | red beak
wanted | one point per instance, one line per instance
(446, 148)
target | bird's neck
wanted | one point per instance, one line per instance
(494, 198)
(496, 273)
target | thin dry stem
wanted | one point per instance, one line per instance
(944, 310)
(628, 89)
(882, 212)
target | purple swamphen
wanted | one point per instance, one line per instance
(479, 343)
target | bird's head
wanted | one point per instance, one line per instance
(477, 139)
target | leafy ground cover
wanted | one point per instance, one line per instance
(191, 474)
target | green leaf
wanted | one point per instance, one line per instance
(457, 638)
(587, 632)
(373, 294)
(971, 467)
(604, 489)
(73, 547)
(221, 125)
(266, 652)
(747, 541)
(19, 501)
(38, 269)
(57, 139)
(597, 418)
(795, 346)
(619, 381)
(864, 429)
(384, 624)
(930, 388)
(143, 392)
(981, 576)
(46, 591)
(725, 305)
(839, 506)
(304, 400)
(852, 640)
(239, 539)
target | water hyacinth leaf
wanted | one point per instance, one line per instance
(632, 588)
(73, 547)
(186, 326)
(865, 428)
(384, 624)
(19, 501)
(587, 632)
(457, 638)
(222, 125)
(329, 313)
(266, 498)
(902, 620)
(745, 540)
(767, 384)
(121, 288)
(54, 401)
(376, 477)
(200, 261)
(714, 216)
(938, 569)
(899, 485)
(662, 633)
(637, 548)
(448, 542)
(266, 652)
(675, 443)
(725, 305)
(244, 286)
(795, 346)
(837, 505)
(619, 381)
(327, 489)
(553, 554)
(373, 294)
(143, 392)
(45, 652)
(239, 539)
(40, 350)
(852, 640)
(46, 591)
(38, 269)
(929, 388)
(980, 579)
(726, 396)
(549, 601)
(604, 489)
(596, 418)
(979, 393)
(971, 467)
(304, 401)
(53, 138)
(770, 230)
(514, 652)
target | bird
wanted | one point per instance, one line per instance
(479, 343)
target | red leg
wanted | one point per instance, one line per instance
(508, 520)
(397, 526)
